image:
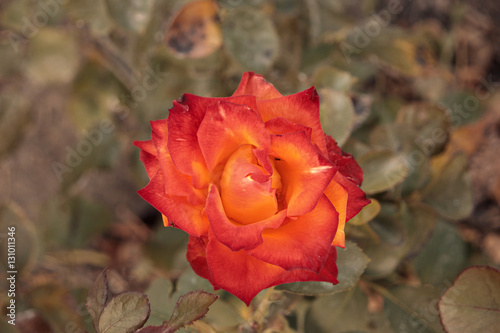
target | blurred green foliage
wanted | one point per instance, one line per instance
(80, 80)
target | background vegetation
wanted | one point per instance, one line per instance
(410, 88)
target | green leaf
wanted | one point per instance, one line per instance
(356, 148)
(124, 313)
(472, 303)
(100, 156)
(167, 240)
(403, 140)
(351, 263)
(346, 311)
(384, 259)
(362, 104)
(163, 304)
(98, 297)
(388, 225)
(400, 232)
(430, 121)
(336, 114)
(368, 213)
(382, 171)
(90, 218)
(396, 137)
(72, 221)
(162, 296)
(386, 108)
(419, 221)
(159, 294)
(223, 314)
(189, 308)
(394, 47)
(190, 281)
(450, 190)
(464, 107)
(443, 257)
(333, 78)
(412, 309)
(251, 38)
(382, 241)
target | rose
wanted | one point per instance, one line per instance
(262, 192)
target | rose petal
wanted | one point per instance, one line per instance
(177, 184)
(225, 127)
(238, 273)
(305, 173)
(256, 85)
(301, 108)
(183, 122)
(197, 256)
(178, 210)
(284, 126)
(328, 273)
(265, 162)
(345, 162)
(338, 197)
(302, 242)
(148, 156)
(246, 190)
(356, 198)
(234, 235)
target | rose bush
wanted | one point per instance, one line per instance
(262, 192)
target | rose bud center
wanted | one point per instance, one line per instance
(249, 186)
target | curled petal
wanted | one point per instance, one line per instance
(183, 122)
(225, 127)
(302, 242)
(265, 162)
(328, 273)
(349, 176)
(246, 187)
(238, 273)
(356, 198)
(300, 108)
(256, 85)
(178, 210)
(347, 165)
(234, 235)
(305, 173)
(148, 156)
(338, 197)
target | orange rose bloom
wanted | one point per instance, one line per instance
(261, 190)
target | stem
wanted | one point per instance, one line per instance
(112, 58)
